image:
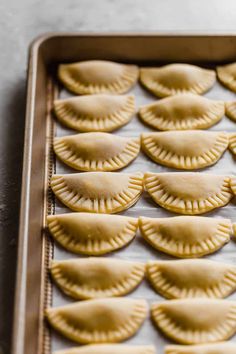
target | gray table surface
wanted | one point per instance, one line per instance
(20, 22)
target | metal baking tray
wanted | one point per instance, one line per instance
(34, 291)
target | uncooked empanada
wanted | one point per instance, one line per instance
(110, 349)
(232, 143)
(98, 76)
(89, 278)
(102, 113)
(92, 234)
(193, 321)
(182, 112)
(227, 75)
(189, 193)
(192, 278)
(99, 321)
(186, 236)
(96, 151)
(230, 110)
(216, 348)
(185, 149)
(98, 192)
(175, 79)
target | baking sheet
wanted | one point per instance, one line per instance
(139, 250)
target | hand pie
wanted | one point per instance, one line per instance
(193, 321)
(232, 143)
(175, 79)
(98, 76)
(186, 236)
(227, 75)
(96, 151)
(110, 349)
(230, 110)
(216, 348)
(98, 192)
(188, 193)
(92, 234)
(103, 113)
(99, 321)
(182, 112)
(192, 278)
(185, 149)
(89, 278)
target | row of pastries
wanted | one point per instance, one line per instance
(106, 113)
(196, 313)
(187, 150)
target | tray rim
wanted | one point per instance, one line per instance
(34, 46)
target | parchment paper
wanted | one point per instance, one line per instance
(139, 250)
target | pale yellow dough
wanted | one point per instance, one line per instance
(192, 278)
(186, 236)
(227, 75)
(232, 143)
(99, 321)
(182, 112)
(102, 113)
(195, 321)
(175, 79)
(96, 151)
(89, 278)
(216, 348)
(185, 149)
(189, 193)
(92, 234)
(98, 192)
(230, 109)
(110, 349)
(98, 76)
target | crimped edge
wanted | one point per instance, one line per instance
(162, 91)
(174, 332)
(83, 123)
(121, 85)
(225, 78)
(126, 330)
(201, 122)
(168, 158)
(123, 287)
(170, 290)
(195, 207)
(72, 158)
(123, 200)
(218, 240)
(121, 239)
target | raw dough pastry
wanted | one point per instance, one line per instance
(232, 143)
(188, 193)
(216, 348)
(186, 236)
(182, 112)
(175, 79)
(92, 234)
(103, 113)
(98, 76)
(185, 149)
(192, 278)
(230, 109)
(98, 192)
(96, 151)
(110, 349)
(99, 321)
(193, 321)
(227, 75)
(89, 278)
